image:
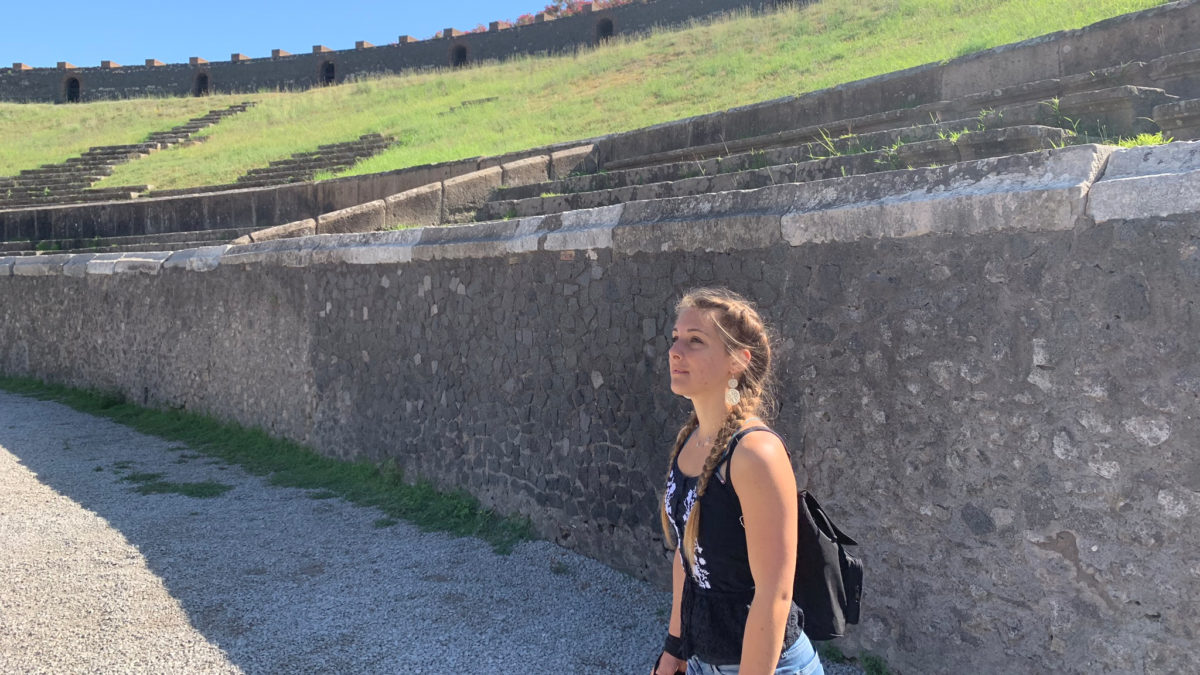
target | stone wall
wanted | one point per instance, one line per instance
(988, 372)
(303, 71)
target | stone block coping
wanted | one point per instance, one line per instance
(1050, 189)
(1142, 182)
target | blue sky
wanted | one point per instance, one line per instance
(127, 32)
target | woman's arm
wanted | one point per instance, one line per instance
(762, 477)
(667, 664)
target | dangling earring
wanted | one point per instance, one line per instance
(732, 395)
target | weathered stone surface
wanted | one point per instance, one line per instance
(419, 206)
(709, 222)
(366, 249)
(39, 265)
(465, 194)
(76, 266)
(481, 240)
(1180, 120)
(1114, 112)
(367, 217)
(104, 264)
(587, 229)
(526, 171)
(201, 259)
(6, 266)
(282, 252)
(583, 159)
(1160, 181)
(150, 262)
(1036, 191)
(300, 228)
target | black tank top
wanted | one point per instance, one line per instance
(717, 593)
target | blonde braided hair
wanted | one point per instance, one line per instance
(740, 327)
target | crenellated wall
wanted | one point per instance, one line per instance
(988, 371)
(325, 66)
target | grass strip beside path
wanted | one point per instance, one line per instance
(289, 464)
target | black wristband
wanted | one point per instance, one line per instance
(673, 646)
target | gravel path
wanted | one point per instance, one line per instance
(95, 577)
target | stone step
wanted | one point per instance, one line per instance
(332, 152)
(120, 149)
(66, 181)
(299, 169)
(1116, 111)
(938, 151)
(78, 168)
(121, 191)
(196, 190)
(1179, 120)
(148, 242)
(851, 144)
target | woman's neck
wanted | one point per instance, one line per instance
(711, 413)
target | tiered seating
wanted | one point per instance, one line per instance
(173, 241)
(303, 166)
(986, 125)
(69, 182)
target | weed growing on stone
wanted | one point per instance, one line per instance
(953, 136)
(873, 664)
(830, 653)
(1142, 139)
(289, 464)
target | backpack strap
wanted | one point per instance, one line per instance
(733, 443)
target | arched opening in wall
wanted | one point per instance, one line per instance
(328, 74)
(200, 85)
(604, 30)
(458, 56)
(72, 90)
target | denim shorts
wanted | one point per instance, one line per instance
(798, 659)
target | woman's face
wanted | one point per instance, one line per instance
(699, 363)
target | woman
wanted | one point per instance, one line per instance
(730, 503)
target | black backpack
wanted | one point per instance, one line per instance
(828, 583)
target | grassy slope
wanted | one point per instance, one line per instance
(631, 84)
(35, 133)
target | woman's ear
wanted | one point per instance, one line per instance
(741, 361)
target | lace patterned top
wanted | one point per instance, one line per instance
(718, 591)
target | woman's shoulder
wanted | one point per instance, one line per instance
(759, 453)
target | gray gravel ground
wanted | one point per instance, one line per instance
(97, 578)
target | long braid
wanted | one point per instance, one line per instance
(691, 532)
(681, 438)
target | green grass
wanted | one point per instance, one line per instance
(1142, 139)
(628, 84)
(873, 664)
(287, 464)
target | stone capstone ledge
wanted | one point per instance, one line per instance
(6, 266)
(203, 259)
(1161, 180)
(141, 263)
(1045, 190)
(40, 265)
